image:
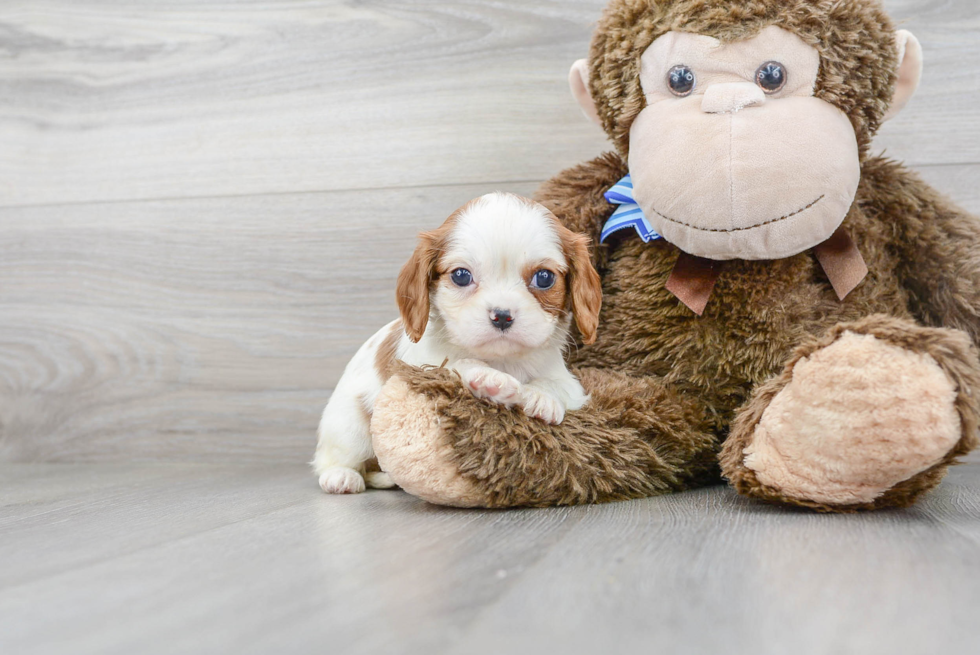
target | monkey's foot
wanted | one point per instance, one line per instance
(868, 418)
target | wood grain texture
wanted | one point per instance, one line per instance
(163, 559)
(204, 329)
(194, 329)
(939, 126)
(184, 266)
(203, 207)
(183, 98)
(103, 101)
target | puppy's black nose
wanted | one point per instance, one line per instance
(501, 318)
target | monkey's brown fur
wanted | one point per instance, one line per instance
(668, 386)
(855, 41)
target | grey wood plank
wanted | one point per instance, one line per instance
(730, 575)
(179, 98)
(214, 327)
(944, 109)
(183, 98)
(960, 183)
(696, 572)
(113, 510)
(302, 567)
(29, 489)
(194, 329)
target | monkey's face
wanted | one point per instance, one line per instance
(733, 157)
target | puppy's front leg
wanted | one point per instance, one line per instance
(487, 382)
(344, 440)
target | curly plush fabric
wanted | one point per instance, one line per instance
(636, 439)
(928, 388)
(676, 395)
(668, 386)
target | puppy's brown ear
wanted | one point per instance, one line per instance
(585, 287)
(413, 286)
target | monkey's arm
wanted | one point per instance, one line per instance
(576, 197)
(938, 246)
(637, 437)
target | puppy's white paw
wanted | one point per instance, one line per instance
(341, 480)
(544, 406)
(489, 383)
(379, 480)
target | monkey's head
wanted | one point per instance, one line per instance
(745, 122)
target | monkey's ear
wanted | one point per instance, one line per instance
(909, 71)
(578, 80)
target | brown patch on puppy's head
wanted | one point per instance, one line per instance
(579, 279)
(418, 274)
(554, 300)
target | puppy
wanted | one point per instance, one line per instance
(492, 293)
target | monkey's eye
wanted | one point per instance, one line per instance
(543, 279)
(681, 80)
(771, 76)
(461, 277)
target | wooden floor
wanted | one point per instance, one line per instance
(203, 207)
(163, 558)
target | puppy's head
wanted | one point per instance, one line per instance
(503, 276)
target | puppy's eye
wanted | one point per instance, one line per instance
(771, 76)
(681, 80)
(543, 279)
(462, 277)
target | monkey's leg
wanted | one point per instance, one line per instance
(869, 416)
(635, 438)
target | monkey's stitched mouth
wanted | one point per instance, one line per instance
(740, 229)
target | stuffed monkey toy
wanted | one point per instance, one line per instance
(781, 309)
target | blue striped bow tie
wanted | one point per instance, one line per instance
(628, 214)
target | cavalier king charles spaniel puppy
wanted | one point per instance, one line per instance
(491, 294)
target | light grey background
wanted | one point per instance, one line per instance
(203, 207)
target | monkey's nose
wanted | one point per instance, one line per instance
(501, 318)
(731, 97)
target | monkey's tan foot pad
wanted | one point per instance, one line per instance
(856, 418)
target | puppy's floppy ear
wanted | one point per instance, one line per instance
(585, 286)
(413, 285)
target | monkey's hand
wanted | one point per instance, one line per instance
(635, 438)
